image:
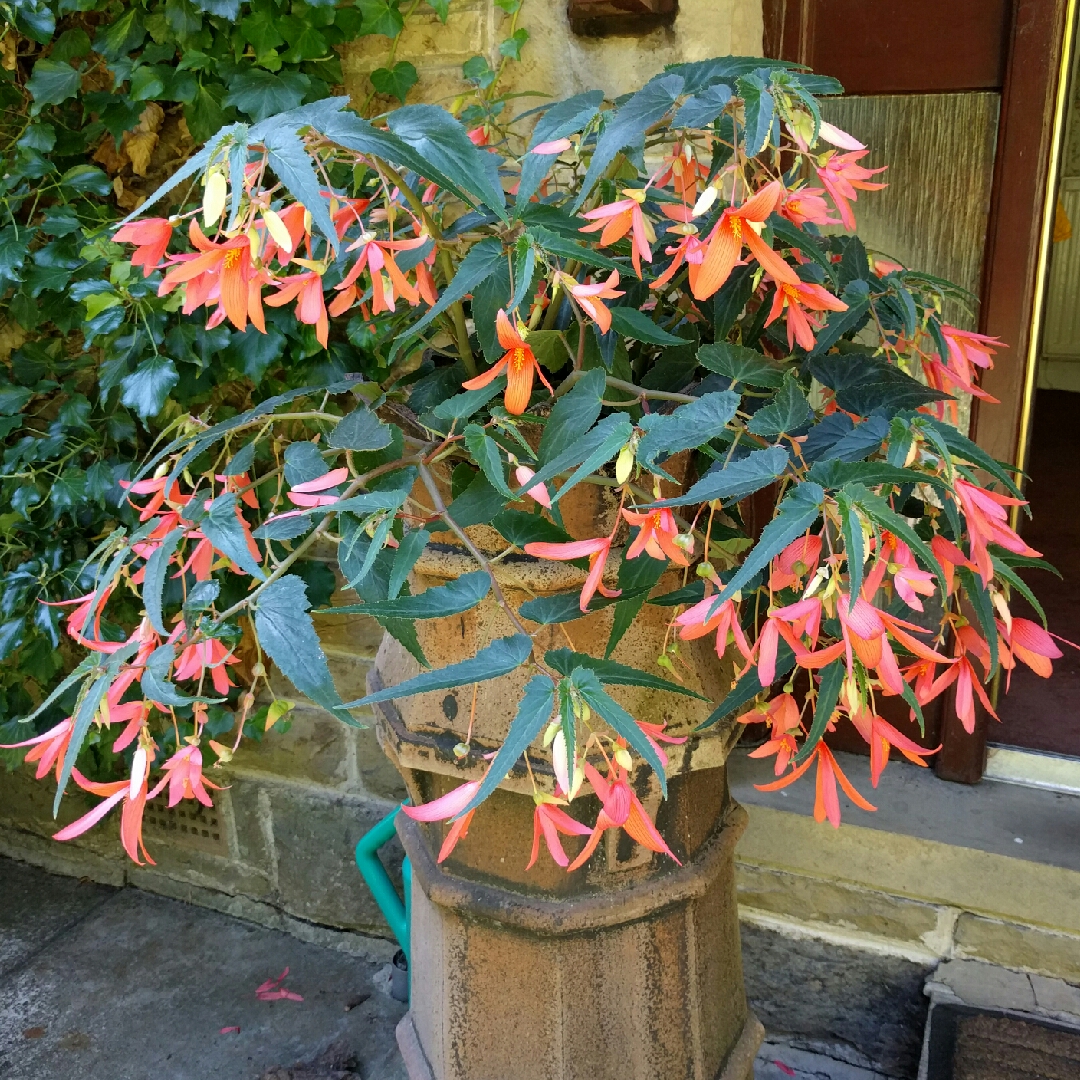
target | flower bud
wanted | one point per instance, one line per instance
(624, 464)
(622, 756)
(214, 197)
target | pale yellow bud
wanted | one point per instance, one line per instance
(276, 228)
(622, 756)
(705, 201)
(624, 464)
(214, 198)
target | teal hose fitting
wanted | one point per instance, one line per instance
(396, 913)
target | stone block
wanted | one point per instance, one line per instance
(1057, 997)
(348, 671)
(1017, 946)
(317, 747)
(868, 1006)
(377, 775)
(315, 840)
(26, 804)
(358, 635)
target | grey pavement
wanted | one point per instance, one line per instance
(119, 984)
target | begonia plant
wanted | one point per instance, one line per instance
(582, 297)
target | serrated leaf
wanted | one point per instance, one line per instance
(702, 109)
(600, 446)
(758, 107)
(749, 686)
(519, 528)
(735, 480)
(851, 526)
(223, 529)
(564, 661)
(572, 414)
(689, 426)
(788, 412)
(864, 384)
(983, 607)
(878, 511)
(560, 120)
(635, 324)
(156, 685)
(287, 634)
(499, 658)
(741, 365)
(462, 406)
(618, 719)
(291, 164)
(157, 566)
(409, 550)
(561, 608)
(533, 712)
(438, 602)
(485, 452)
(828, 694)
(730, 301)
(360, 430)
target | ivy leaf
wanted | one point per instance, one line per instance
(204, 113)
(226, 9)
(501, 657)
(51, 82)
(147, 387)
(380, 17)
(786, 413)
(260, 93)
(287, 633)
(533, 713)
(122, 36)
(441, 8)
(223, 529)
(511, 46)
(360, 430)
(396, 81)
(438, 602)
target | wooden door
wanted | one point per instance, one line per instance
(957, 97)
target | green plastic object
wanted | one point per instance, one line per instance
(378, 880)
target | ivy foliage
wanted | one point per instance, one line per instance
(99, 102)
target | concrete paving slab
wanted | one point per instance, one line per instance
(35, 907)
(142, 986)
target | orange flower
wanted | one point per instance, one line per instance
(826, 803)
(589, 297)
(881, 735)
(218, 272)
(796, 298)
(519, 362)
(306, 290)
(151, 237)
(621, 217)
(841, 176)
(738, 227)
(597, 552)
(656, 537)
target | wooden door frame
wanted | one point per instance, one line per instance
(1014, 259)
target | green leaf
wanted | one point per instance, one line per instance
(360, 430)
(840, 323)
(122, 36)
(730, 302)
(481, 261)
(689, 426)
(260, 93)
(865, 384)
(735, 480)
(205, 113)
(981, 603)
(441, 139)
(881, 513)
(1006, 573)
(626, 126)
(854, 548)
(836, 474)
(441, 8)
(636, 580)
(291, 164)
(511, 46)
(572, 414)
(792, 236)
(462, 406)
(501, 657)
(519, 528)
(477, 504)
(788, 412)
(396, 81)
(145, 83)
(741, 365)
(89, 702)
(799, 509)
(146, 388)
(636, 324)
(409, 550)
(380, 17)
(286, 632)
(618, 719)
(560, 120)
(223, 529)
(533, 712)
(758, 106)
(51, 82)
(485, 452)
(155, 681)
(157, 566)
(561, 608)
(702, 109)
(832, 678)
(962, 447)
(564, 661)
(599, 446)
(438, 602)
(554, 244)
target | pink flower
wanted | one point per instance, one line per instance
(448, 806)
(538, 492)
(307, 291)
(597, 552)
(621, 217)
(841, 176)
(656, 536)
(549, 821)
(185, 777)
(302, 494)
(555, 146)
(798, 559)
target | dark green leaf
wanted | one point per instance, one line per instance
(759, 107)
(741, 365)
(600, 446)
(554, 244)
(533, 712)
(573, 413)
(396, 81)
(380, 17)
(485, 452)
(687, 427)
(477, 504)
(832, 678)
(560, 120)
(564, 661)
(520, 528)
(620, 721)
(292, 166)
(286, 632)
(983, 607)
(144, 391)
(223, 529)
(438, 602)
(788, 412)
(735, 480)
(704, 108)
(560, 608)
(962, 447)
(157, 566)
(636, 579)
(865, 384)
(853, 543)
(409, 550)
(749, 686)
(462, 406)
(878, 510)
(499, 658)
(636, 324)
(260, 93)
(730, 302)
(360, 430)
(51, 82)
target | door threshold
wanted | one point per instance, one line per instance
(1033, 768)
